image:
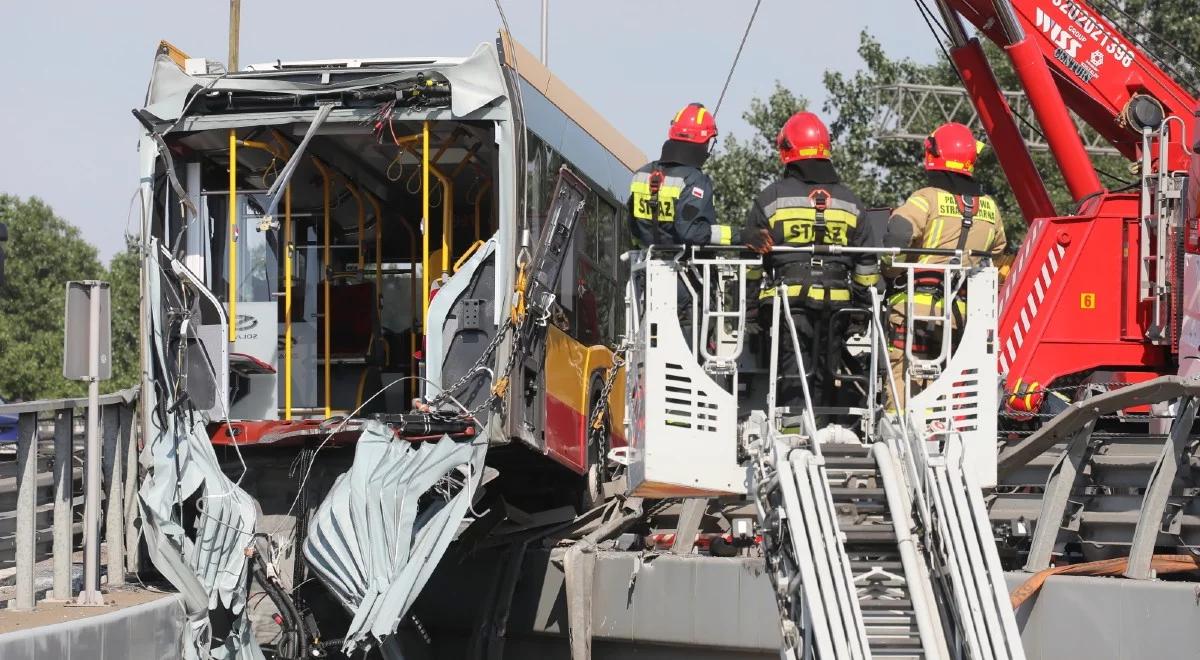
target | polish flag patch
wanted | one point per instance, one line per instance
(698, 193)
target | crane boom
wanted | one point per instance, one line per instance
(1097, 70)
(1101, 289)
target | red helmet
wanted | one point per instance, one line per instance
(952, 148)
(693, 124)
(803, 137)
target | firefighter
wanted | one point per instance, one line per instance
(810, 206)
(951, 212)
(671, 199)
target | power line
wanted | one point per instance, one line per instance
(503, 18)
(736, 57)
(931, 20)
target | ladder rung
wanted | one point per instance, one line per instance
(840, 493)
(898, 605)
(866, 565)
(869, 533)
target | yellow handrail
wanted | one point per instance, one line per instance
(467, 159)
(447, 185)
(424, 225)
(467, 255)
(233, 231)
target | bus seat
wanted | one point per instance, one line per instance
(352, 319)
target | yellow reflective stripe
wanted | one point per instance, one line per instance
(798, 225)
(699, 116)
(643, 188)
(866, 280)
(667, 196)
(819, 151)
(803, 213)
(919, 202)
(932, 300)
(726, 233)
(933, 236)
(814, 292)
(948, 208)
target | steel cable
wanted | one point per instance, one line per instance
(737, 56)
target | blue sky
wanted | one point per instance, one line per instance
(75, 68)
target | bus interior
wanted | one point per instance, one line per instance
(326, 294)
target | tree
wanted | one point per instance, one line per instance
(123, 274)
(741, 167)
(44, 252)
(883, 171)
(1167, 29)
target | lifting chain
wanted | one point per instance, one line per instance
(515, 327)
(600, 406)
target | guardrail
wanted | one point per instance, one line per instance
(118, 486)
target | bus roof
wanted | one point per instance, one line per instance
(518, 58)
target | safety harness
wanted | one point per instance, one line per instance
(823, 281)
(657, 176)
(968, 206)
(929, 282)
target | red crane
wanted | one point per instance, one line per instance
(1102, 289)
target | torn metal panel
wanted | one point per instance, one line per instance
(386, 523)
(475, 82)
(206, 562)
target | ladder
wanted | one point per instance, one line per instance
(837, 536)
(1160, 206)
(877, 543)
(882, 548)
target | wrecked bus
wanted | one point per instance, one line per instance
(327, 243)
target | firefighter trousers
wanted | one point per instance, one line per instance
(926, 343)
(822, 338)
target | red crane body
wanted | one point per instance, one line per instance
(1077, 298)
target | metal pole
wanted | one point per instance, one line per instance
(233, 235)
(289, 250)
(91, 512)
(545, 32)
(64, 487)
(362, 226)
(327, 264)
(447, 222)
(131, 481)
(375, 208)
(116, 430)
(235, 27)
(27, 441)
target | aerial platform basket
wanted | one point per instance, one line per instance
(681, 423)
